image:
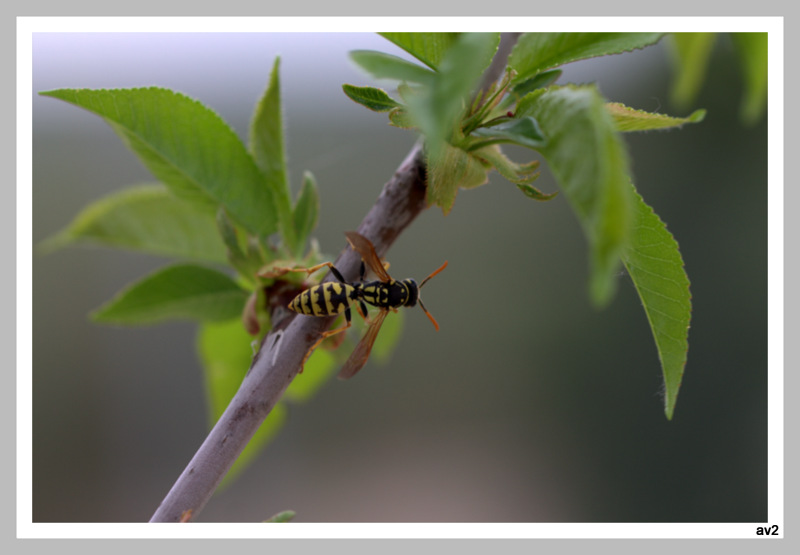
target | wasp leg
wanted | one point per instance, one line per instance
(276, 272)
(325, 335)
(311, 270)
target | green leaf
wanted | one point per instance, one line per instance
(656, 268)
(538, 81)
(241, 255)
(283, 516)
(437, 109)
(145, 218)
(306, 212)
(181, 291)
(589, 160)
(690, 55)
(373, 98)
(186, 146)
(450, 168)
(226, 353)
(386, 66)
(532, 192)
(428, 48)
(516, 173)
(267, 149)
(629, 119)
(752, 48)
(521, 175)
(399, 118)
(537, 52)
(522, 131)
(319, 368)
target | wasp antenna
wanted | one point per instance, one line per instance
(424, 281)
(430, 316)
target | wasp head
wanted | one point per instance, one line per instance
(413, 292)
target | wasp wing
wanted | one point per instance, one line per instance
(358, 358)
(366, 249)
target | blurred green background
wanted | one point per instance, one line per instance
(528, 405)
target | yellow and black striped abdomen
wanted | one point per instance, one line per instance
(326, 299)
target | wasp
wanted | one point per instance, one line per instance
(332, 298)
